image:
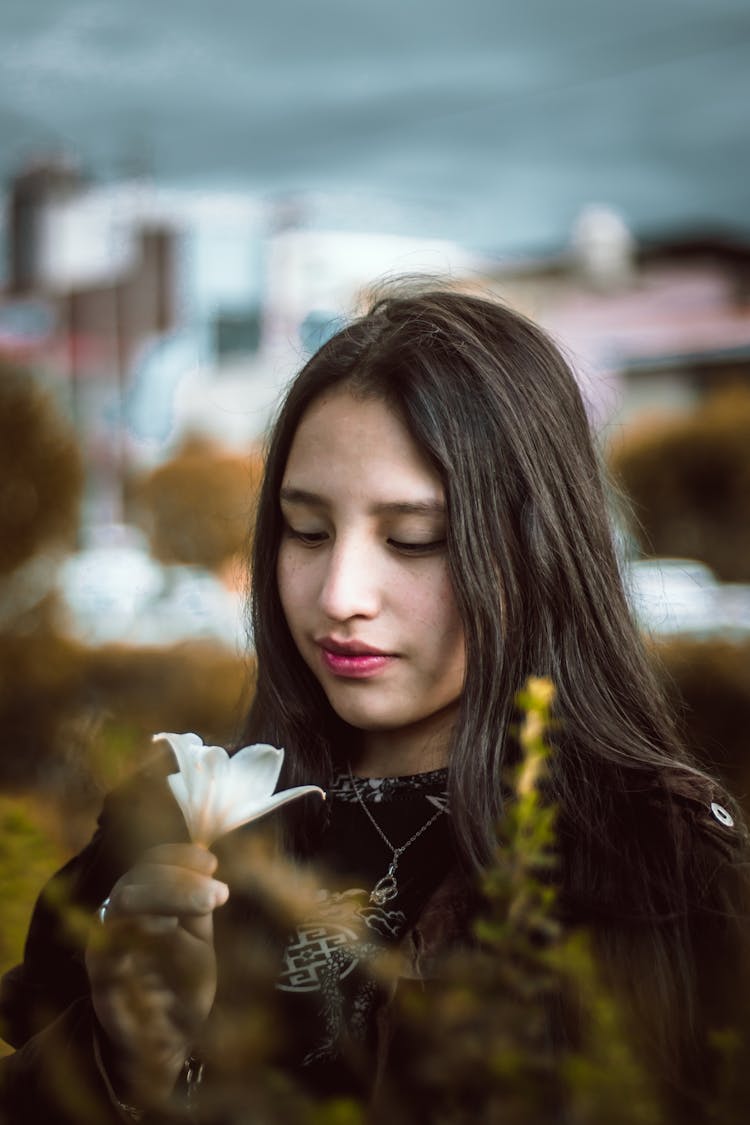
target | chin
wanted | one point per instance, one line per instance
(367, 720)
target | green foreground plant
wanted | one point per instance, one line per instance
(517, 1029)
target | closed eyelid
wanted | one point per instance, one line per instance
(428, 527)
(411, 525)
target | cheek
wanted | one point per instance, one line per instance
(453, 641)
(290, 582)
(433, 609)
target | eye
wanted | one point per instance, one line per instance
(307, 538)
(417, 548)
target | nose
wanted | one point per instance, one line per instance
(351, 585)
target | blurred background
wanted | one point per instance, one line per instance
(195, 195)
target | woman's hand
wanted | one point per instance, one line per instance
(152, 967)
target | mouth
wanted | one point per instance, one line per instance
(352, 659)
(349, 648)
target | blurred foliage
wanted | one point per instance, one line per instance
(197, 508)
(41, 473)
(75, 721)
(136, 693)
(689, 483)
(480, 1045)
(30, 851)
(520, 1030)
(74, 718)
(42, 677)
(709, 684)
(197, 685)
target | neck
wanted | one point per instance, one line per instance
(400, 753)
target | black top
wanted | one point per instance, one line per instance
(328, 996)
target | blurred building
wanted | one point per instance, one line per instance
(165, 311)
(650, 326)
(161, 312)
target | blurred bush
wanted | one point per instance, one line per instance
(74, 719)
(30, 850)
(135, 693)
(76, 722)
(689, 483)
(41, 474)
(709, 683)
(477, 1046)
(42, 678)
(197, 508)
(474, 1046)
(41, 672)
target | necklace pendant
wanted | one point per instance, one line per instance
(384, 890)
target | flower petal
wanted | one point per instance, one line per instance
(217, 793)
(181, 794)
(248, 811)
(183, 745)
(256, 767)
(211, 793)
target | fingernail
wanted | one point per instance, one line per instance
(220, 891)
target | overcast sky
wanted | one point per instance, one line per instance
(488, 121)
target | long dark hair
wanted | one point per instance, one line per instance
(492, 404)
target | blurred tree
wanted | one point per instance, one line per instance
(197, 507)
(41, 472)
(709, 683)
(29, 853)
(689, 483)
(199, 686)
(41, 477)
(41, 684)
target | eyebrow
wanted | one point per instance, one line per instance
(389, 507)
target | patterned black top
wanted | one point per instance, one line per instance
(329, 997)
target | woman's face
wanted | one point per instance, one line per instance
(363, 570)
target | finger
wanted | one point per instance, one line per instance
(200, 926)
(126, 935)
(192, 856)
(153, 925)
(158, 890)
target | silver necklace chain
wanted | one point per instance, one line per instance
(387, 888)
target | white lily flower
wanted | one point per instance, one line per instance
(217, 793)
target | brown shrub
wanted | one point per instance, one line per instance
(41, 471)
(76, 720)
(197, 508)
(132, 694)
(689, 482)
(198, 686)
(709, 682)
(42, 684)
(30, 851)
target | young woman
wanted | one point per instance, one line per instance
(431, 530)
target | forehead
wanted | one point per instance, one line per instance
(343, 439)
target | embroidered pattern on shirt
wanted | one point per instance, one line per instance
(376, 789)
(334, 942)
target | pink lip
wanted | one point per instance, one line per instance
(353, 659)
